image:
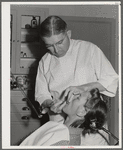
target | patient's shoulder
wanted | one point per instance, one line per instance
(93, 139)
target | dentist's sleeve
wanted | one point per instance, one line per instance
(105, 73)
(41, 87)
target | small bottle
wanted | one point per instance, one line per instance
(33, 22)
(21, 54)
(24, 55)
(15, 84)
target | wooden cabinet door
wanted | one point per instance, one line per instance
(22, 121)
(20, 130)
(13, 41)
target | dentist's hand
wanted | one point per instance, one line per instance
(55, 105)
(46, 106)
(58, 106)
(73, 92)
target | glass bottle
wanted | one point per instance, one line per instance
(33, 22)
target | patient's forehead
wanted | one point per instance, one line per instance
(89, 104)
(89, 101)
(84, 97)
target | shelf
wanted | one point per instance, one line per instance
(27, 58)
(31, 70)
(29, 31)
(29, 28)
(17, 89)
(30, 43)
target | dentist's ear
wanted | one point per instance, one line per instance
(69, 34)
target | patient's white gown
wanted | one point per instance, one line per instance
(57, 134)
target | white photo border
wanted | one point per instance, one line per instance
(5, 30)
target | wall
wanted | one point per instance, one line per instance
(108, 11)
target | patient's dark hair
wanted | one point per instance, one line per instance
(52, 25)
(97, 115)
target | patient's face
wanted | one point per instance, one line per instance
(72, 107)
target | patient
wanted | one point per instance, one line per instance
(85, 115)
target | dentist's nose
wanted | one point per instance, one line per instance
(55, 48)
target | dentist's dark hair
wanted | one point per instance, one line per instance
(52, 25)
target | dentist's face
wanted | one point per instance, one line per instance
(58, 45)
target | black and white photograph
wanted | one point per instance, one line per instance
(61, 75)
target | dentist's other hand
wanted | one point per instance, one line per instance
(46, 106)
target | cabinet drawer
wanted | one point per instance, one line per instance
(19, 131)
(17, 93)
(20, 108)
(22, 117)
(18, 99)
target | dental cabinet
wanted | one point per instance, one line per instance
(25, 52)
(25, 43)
